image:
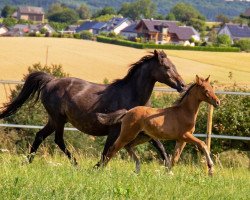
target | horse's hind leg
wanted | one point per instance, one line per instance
(132, 154)
(40, 137)
(60, 142)
(159, 146)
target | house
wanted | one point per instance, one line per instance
(71, 29)
(98, 27)
(30, 13)
(3, 29)
(22, 29)
(163, 31)
(116, 24)
(246, 13)
(235, 31)
(86, 26)
(129, 32)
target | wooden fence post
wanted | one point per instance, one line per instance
(209, 125)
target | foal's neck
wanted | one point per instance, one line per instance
(191, 105)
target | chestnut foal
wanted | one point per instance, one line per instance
(173, 123)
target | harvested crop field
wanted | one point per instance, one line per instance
(95, 61)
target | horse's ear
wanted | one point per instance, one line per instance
(198, 80)
(207, 79)
(156, 53)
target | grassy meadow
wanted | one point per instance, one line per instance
(95, 61)
(55, 178)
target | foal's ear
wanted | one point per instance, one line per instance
(198, 80)
(207, 79)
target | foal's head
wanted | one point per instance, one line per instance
(206, 92)
(165, 72)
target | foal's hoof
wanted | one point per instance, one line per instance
(170, 173)
(211, 172)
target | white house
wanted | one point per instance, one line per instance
(235, 31)
(3, 29)
(116, 24)
(129, 32)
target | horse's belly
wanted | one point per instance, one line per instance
(89, 126)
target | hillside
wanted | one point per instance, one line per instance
(95, 61)
(209, 8)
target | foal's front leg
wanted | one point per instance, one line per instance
(188, 137)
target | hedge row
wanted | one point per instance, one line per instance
(120, 42)
(156, 46)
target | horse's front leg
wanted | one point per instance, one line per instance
(188, 137)
(179, 146)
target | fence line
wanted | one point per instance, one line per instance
(158, 89)
(74, 129)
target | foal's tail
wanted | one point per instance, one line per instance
(111, 118)
(33, 84)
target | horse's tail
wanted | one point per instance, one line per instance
(33, 84)
(111, 118)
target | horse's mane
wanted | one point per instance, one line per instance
(184, 94)
(133, 68)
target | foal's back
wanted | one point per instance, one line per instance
(157, 123)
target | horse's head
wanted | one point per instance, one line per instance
(165, 72)
(206, 91)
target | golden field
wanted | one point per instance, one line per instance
(95, 61)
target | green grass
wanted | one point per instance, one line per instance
(55, 178)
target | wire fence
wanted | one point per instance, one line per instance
(158, 89)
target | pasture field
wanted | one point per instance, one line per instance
(95, 61)
(55, 178)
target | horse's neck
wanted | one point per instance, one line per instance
(142, 85)
(191, 105)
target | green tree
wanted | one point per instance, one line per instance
(66, 16)
(139, 9)
(222, 18)
(189, 15)
(9, 22)
(108, 10)
(84, 11)
(223, 40)
(7, 11)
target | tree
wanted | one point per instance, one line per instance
(9, 22)
(223, 40)
(8, 11)
(187, 14)
(67, 15)
(108, 10)
(222, 18)
(138, 9)
(84, 11)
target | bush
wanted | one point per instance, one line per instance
(223, 40)
(243, 44)
(86, 35)
(165, 46)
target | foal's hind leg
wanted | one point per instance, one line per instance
(40, 137)
(60, 142)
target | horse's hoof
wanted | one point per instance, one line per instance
(170, 173)
(97, 165)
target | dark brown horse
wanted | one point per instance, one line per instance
(173, 123)
(77, 101)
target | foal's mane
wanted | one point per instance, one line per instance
(133, 68)
(183, 95)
